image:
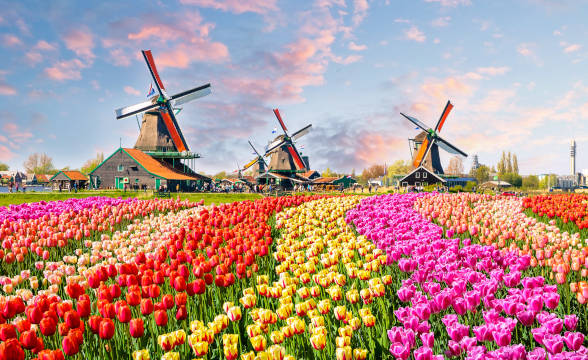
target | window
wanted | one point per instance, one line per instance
(424, 175)
(135, 168)
(121, 167)
(418, 175)
(137, 180)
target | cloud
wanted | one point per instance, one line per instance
(402, 21)
(450, 3)
(572, 48)
(66, 70)
(6, 89)
(236, 6)
(441, 22)
(131, 90)
(525, 49)
(11, 40)
(5, 153)
(493, 71)
(355, 47)
(414, 34)
(44, 46)
(81, 42)
(360, 9)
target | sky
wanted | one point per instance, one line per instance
(514, 70)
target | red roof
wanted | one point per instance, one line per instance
(43, 177)
(75, 175)
(155, 167)
(308, 174)
(323, 180)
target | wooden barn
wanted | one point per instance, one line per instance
(334, 183)
(132, 169)
(41, 179)
(68, 180)
(421, 176)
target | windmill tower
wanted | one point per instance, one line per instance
(428, 142)
(573, 157)
(160, 135)
(285, 157)
(258, 164)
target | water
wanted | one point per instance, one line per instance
(30, 188)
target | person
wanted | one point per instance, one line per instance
(178, 187)
(76, 186)
(10, 185)
(370, 188)
(17, 187)
(341, 187)
(60, 186)
(24, 187)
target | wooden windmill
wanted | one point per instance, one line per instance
(259, 165)
(160, 131)
(427, 143)
(285, 158)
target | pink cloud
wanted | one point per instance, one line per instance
(572, 48)
(33, 57)
(414, 34)
(355, 47)
(11, 40)
(66, 70)
(236, 6)
(450, 3)
(5, 153)
(81, 42)
(493, 71)
(360, 9)
(15, 134)
(131, 90)
(119, 57)
(6, 89)
(441, 22)
(45, 46)
(182, 55)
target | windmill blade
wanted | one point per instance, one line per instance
(154, 74)
(250, 164)
(253, 147)
(192, 94)
(170, 124)
(300, 133)
(135, 109)
(296, 156)
(276, 144)
(445, 145)
(444, 114)
(421, 153)
(277, 113)
(416, 121)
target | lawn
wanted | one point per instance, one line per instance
(209, 198)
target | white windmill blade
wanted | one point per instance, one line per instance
(135, 109)
(416, 121)
(445, 145)
(300, 133)
(192, 94)
(276, 144)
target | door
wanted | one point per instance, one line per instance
(157, 183)
(118, 183)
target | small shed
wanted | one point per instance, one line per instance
(421, 176)
(495, 184)
(68, 180)
(41, 179)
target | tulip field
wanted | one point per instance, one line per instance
(397, 276)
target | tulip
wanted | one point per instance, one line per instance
(160, 317)
(106, 329)
(70, 346)
(136, 328)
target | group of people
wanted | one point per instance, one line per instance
(16, 186)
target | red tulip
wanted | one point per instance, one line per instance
(23, 325)
(95, 322)
(72, 319)
(28, 339)
(63, 329)
(133, 298)
(74, 290)
(106, 331)
(181, 298)
(69, 346)
(48, 326)
(168, 301)
(11, 350)
(83, 308)
(154, 291)
(182, 313)
(35, 315)
(146, 306)
(160, 318)
(7, 331)
(136, 328)
(124, 314)
(114, 290)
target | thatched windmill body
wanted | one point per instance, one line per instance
(258, 164)
(284, 156)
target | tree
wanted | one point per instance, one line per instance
(455, 166)
(513, 179)
(38, 164)
(399, 167)
(92, 163)
(509, 163)
(221, 175)
(515, 164)
(531, 182)
(548, 181)
(4, 167)
(328, 173)
(482, 174)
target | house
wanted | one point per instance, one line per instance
(421, 176)
(41, 179)
(133, 169)
(335, 182)
(67, 180)
(14, 175)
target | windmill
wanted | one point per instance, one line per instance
(285, 157)
(259, 160)
(427, 143)
(160, 131)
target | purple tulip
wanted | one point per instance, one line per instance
(574, 340)
(502, 338)
(537, 354)
(551, 300)
(526, 317)
(423, 353)
(400, 351)
(428, 339)
(571, 321)
(553, 343)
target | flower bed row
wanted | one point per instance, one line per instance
(135, 292)
(463, 299)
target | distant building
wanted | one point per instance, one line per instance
(14, 175)
(66, 180)
(421, 176)
(475, 163)
(567, 182)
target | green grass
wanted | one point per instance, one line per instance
(209, 198)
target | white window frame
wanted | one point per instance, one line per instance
(424, 175)
(418, 175)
